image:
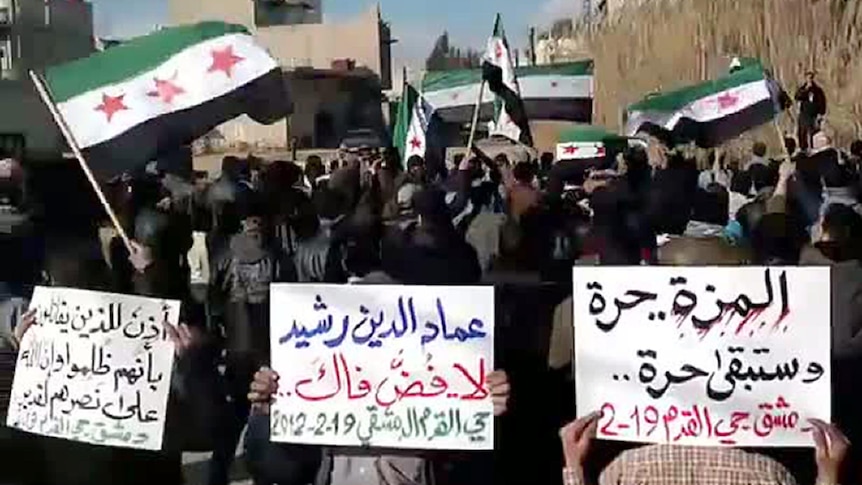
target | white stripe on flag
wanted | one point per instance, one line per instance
(580, 150)
(704, 110)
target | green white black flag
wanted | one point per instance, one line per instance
(498, 71)
(712, 112)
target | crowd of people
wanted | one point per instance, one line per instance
(367, 220)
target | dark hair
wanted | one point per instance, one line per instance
(314, 168)
(790, 144)
(741, 183)
(638, 169)
(415, 161)
(78, 263)
(546, 160)
(430, 204)
(502, 160)
(777, 239)
(759, 149)
(844, 227)
(234, 168)
(524, 172)
(711, 205)
(762, 176)
(835, 175)
(856, 148)
(251, 204)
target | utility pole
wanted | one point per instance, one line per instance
(532, 46)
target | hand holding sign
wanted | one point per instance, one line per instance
(577, 437)
(95, 367)
(831, 451)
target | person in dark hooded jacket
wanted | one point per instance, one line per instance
(239, 299)
(430, 251)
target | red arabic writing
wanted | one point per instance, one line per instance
(673, 424)
(336, 377)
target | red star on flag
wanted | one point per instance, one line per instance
(600, 151)
(111, 105)
(554, 84)
(416, 143)
(498, 50)
(727, 100)
(224, 60)
(455, 95)
(166, 90)
(570, 150)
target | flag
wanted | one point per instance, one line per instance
(498, 71)
(411, 128)
(713, 112)
(148, 97)
(588, 142)
(562, 92)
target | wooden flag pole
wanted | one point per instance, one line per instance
(476, 110)
(67, 134)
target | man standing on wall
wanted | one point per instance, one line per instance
(812, 108)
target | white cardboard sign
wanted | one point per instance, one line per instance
(95, 368)
(703, 356)
(383, 366)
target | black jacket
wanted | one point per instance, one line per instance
(812, 102)
(239, 293)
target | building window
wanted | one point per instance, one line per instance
(47, 13)
(270, 13)
(5, 55)
(5, 15)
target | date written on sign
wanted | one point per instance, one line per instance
(366, 425)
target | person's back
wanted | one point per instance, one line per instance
(430, 251)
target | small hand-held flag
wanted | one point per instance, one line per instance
(498, 70)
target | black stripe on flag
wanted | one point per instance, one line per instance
(493, 75)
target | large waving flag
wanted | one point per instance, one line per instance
(712, 112)
(498, 71)
(148, 97)
(410, 135)
(561, 92)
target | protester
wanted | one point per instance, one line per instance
(812, 108)
(239, 296)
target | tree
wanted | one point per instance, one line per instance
(438, 59)
(445, 56)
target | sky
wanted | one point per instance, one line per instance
(415, 23)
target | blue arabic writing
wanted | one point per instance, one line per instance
(372, 328)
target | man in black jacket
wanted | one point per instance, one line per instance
(812, 107)
(239, 302)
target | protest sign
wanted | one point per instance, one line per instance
(95, 368)
(703, 356)
(385, 366)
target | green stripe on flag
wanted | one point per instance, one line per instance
(439, 80)
(123, 62)
(409, 98)
(676, 100)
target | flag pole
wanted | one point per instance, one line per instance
(67, 134)
(476, 110)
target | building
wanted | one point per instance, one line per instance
(35, 34)
(336, 71)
